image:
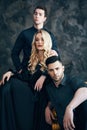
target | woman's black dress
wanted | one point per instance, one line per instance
(18, 102)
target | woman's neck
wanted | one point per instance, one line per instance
(40, 55)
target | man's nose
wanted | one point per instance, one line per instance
(55, 72)
(37, 15)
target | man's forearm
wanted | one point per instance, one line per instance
(79, 97)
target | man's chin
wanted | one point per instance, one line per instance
(56, 80)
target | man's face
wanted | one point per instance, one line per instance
(56, 71)
(39, 16)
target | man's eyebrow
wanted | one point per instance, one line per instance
(50, 69)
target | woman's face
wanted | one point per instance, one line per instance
(39, 42)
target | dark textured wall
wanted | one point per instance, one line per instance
(67, 19)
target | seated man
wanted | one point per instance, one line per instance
(68, 96)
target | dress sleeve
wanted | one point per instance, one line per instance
(45, 73)
(24, 75)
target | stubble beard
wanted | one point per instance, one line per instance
(58, 81)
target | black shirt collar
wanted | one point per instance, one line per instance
(63, 82)
(37, 29)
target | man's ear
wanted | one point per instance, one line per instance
(63, 68)
(86, 82)
(45, 18)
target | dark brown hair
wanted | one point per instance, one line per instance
(43, 8)
(52, 59)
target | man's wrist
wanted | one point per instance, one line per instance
(49, 105)
(70, 107)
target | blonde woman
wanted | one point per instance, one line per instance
(41, 49)
(19, 101)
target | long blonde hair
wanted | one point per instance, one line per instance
(34, 60)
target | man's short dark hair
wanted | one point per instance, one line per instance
(52, 59)
(41, 7)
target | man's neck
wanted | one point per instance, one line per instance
(40, 26)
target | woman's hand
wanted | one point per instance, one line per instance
(6, 77)
(39, 83)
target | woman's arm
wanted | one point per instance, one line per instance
(24, 75)
(39, 83)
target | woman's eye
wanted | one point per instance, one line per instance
(37, 39)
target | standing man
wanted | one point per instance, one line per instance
(24, 40)
(68, 96)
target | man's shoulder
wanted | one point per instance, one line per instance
(27, 29)
(48, 31)
(28, 32)
(77, 82)
(75, 79)
(71, 79)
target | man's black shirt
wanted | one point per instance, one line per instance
(24, 43)
(61, 96)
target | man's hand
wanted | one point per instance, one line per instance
(53, 53)
(48, 115)
(39, 83)
(68, 119)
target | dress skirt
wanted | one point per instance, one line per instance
(17, 105)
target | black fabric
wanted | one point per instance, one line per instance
(61, 96)
(0, 104)
(22, 108)
(17, 106)
(24, 42)
(39, 111)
